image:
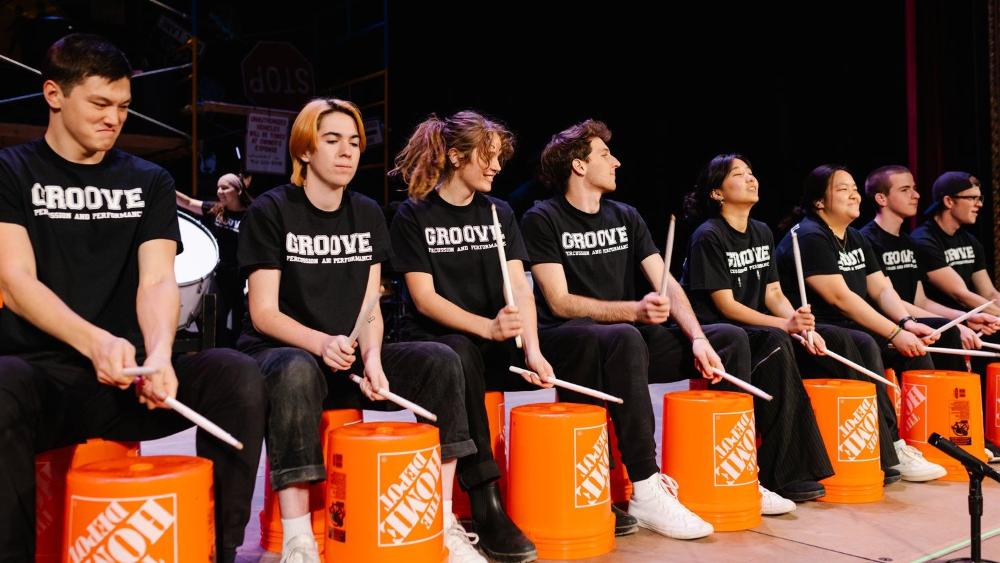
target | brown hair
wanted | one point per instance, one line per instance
(306, 126)
(423, 162)
(567, 146)
(878, 181)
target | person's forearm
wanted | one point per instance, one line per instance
(446, 313)
(157, 306)
(33, 301)
(570, 306)
(680, 310)
(858, 310)
(370, 339)
(890, 303)
(525, 301)
(738, 312)
(283, 328)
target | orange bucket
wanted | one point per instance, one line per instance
(716, 467)
(946, 402)
(384, 493)
(560, 490)
(992, 403)
(157, 508)
(51, 468)
(847, 415)
(621, 485)
(271, 536)
(495, 414)
(894, 396)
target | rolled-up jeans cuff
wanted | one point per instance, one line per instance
(457, 449)
(476, 475)
(286, 477)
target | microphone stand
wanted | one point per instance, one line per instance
(977, 471)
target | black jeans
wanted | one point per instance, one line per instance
(300, 387)
(622, 360)
(50, 400)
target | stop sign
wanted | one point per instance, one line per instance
(277, 75)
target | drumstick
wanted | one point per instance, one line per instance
(389, 395)
(988, 344)
(852, 365)
(802, 280)
(668, 252)
(961, 318)
(187, 412)
(753, 390)
(364, 317)
(572, 386)
(508, 293)
(958, 352)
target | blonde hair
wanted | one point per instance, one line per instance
(305, 129)
(423, 162)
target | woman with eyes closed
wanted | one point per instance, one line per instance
(846, 288)
(313, 251)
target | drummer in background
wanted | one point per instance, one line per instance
(223, 219)
(88, 236)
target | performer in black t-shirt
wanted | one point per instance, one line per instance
(585, 254)
(313, 251)
(446, 248)
(894, 193)
(88, 236)
(954, 260)
(843, 281)
(223, 219)
(730, 275)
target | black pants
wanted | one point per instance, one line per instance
(299, 388)
(51, 400)
(622, 360)
(485, 366)
(228, 288)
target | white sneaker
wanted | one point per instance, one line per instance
(300, 549)
(461, 544)
(990, 458)
(773, 504)
(654, 504)
(912, 465)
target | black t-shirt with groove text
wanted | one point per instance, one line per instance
(85, 223)
(456, 245)
(599, 252)
(897, 256)
(937, 249)
(721, 257)
(324, 257)
(825, 254)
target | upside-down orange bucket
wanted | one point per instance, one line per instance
(715, 465)
(383, 495)
(894, 395)
(157, 508)
(51, 468)
(946, 402)
(270, 516)
(495, 414)
(559, 481)
(992, 421)
(847, 415)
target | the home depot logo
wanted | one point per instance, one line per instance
(409, 502)
(735, 452)
(857, 429)
(126, 530)
(915, 412)
(46, 490)
(591, 474)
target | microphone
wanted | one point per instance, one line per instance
(969, 461)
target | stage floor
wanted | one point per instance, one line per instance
(914, 522)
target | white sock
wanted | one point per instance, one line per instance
(291, 527)
(447, 507)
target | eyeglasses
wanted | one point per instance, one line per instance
(973, 198)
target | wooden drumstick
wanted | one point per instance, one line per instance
(668, 252)
(508, 293)
(802, 280)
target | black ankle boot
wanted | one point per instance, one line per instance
(499, 537)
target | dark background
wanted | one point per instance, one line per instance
(790, 85)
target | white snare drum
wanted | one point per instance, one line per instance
(195, 267)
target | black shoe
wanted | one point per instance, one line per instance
(625, 523)
(801, 491)
(499, 537)
(891, 476)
